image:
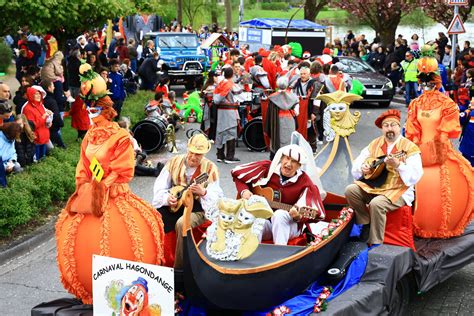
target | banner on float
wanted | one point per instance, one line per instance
(122, 287)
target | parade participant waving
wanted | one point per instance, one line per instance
(400, 164)
(103, 216)
(285, 178)
(190, 171)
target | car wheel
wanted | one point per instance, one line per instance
(385, 104)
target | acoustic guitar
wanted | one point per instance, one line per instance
(179, 191)
(273, 198)
(378, 171)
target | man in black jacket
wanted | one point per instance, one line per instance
(51, 104)
(148, 72)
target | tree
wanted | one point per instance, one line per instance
(214, 11)
(228, 14)
(382, 15)
(179, 11)
(191, 8)
(62, 18)
(442, 13)
(312, 8)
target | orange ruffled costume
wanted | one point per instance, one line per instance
(105, 218)
(445, 194)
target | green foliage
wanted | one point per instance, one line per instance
(275, 6)
(5, 57)
(134, 106)
(58, 16)
(30, 193)
(417, 18)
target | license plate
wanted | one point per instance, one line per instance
(193, 72)
(373, 92)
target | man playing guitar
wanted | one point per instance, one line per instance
(184, 171)
(398, 177)
(291, 186)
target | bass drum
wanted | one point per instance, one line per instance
(150, 133)
(253, 135)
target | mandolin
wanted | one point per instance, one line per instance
(273, 198)
(179, 191)
(378, 173)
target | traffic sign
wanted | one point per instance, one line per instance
(458, 2)
(456, 26)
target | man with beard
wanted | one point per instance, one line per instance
(372, 198)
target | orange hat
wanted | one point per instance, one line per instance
(327, 51)
(393, 115)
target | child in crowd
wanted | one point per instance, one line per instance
(9, 133)
(116, 86)
(162, 86)
(79, 117)
(130, 79)
(143, 167)
(25, 145)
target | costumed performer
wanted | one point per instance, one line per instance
(294, 187)
(394, 187)
(339, 123)
(202, 176)
(445, 193)
(280, 118)
(103, 216)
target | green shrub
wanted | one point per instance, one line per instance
(5, 57)
(275, 6)
(134, 106)
(32, 192)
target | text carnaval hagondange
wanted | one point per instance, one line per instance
(136, 268)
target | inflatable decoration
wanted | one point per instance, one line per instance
(445, 194)
(233, 235)
(193, 104)
(296, 49)
(335, 158)
(103, 216)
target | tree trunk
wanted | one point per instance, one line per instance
(214, 11)
(228, 14)
(387, 34)
(312, 8)
(179, 11)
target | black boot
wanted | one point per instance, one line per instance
(221, 154)
(230, 157)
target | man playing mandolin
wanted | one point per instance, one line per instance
(298, 197)
(385, 172)
(191, 171)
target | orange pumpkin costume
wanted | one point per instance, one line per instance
(445, 194)
(104, 217)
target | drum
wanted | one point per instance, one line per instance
(151, 133)
(253, 135)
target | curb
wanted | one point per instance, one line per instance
(28, 242)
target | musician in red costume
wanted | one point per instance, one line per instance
(283, 175)
(396, 186)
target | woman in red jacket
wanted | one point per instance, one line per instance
(35, 111)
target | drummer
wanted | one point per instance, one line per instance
(182, 170)
(284, 176)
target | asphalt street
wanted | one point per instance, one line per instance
(33, 278)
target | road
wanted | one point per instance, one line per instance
(33, 278)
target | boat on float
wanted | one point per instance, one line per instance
(271, 275)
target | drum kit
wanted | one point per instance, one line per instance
(153, 133)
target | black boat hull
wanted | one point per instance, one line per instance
(256, 288)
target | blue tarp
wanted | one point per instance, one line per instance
(282, 24)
